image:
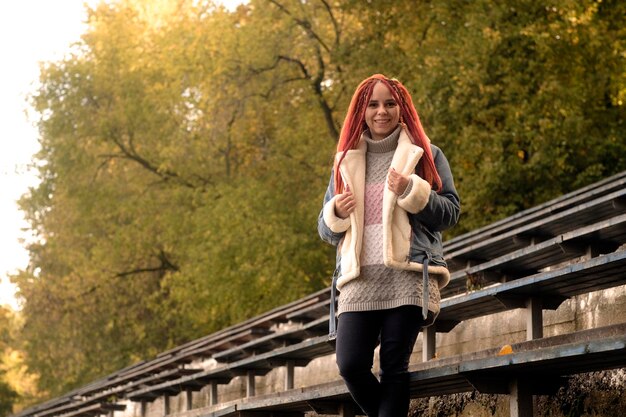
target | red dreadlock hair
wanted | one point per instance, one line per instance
(354, 125)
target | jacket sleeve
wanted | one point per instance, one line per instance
(330, 227)
(442, 209)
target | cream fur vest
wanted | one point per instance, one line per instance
(396, 227)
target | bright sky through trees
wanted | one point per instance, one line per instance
(31, 31)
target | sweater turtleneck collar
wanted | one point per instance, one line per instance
(388, 144)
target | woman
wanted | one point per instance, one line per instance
(391, 193)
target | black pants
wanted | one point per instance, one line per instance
(357, 336)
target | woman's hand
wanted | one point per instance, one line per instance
(345, 204)
(397, 182)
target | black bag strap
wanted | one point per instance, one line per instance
(332, 319)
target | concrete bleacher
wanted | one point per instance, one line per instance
(534, 366)
(532, 261)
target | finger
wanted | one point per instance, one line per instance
(344, 197)
(345, 210)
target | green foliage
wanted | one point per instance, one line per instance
(524, 97)
(186, 150)
(8, 395)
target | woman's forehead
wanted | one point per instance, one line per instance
(381, 92)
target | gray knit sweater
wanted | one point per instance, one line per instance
(379, 287)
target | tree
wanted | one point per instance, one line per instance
(526, 99)
(186, 150)
(153, 145)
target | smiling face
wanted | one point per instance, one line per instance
(383, 113)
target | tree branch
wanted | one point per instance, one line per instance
(165, 265)
(131, 154)
(329, 10)
(303, 23)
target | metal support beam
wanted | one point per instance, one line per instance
(289, 373)
(428, 343)
(534, 318)
(520, 399)
(213, 393)
(347, 410)
(188, 400)
(166, 405)
(250, 386)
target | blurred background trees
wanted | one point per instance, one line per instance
(186, 150)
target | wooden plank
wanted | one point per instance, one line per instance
(224, 344)
(229, 410)
(310, 313)
(298, 399)
(559, 204)
(274, 340)
(564, 359)
(598, 273)
(95, 409)
(300, 353)
(549, 252)
(119, 390)
(177, 355)
(475, 305)
(264, 320)
(581, 214)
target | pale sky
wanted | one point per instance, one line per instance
(31, 31)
